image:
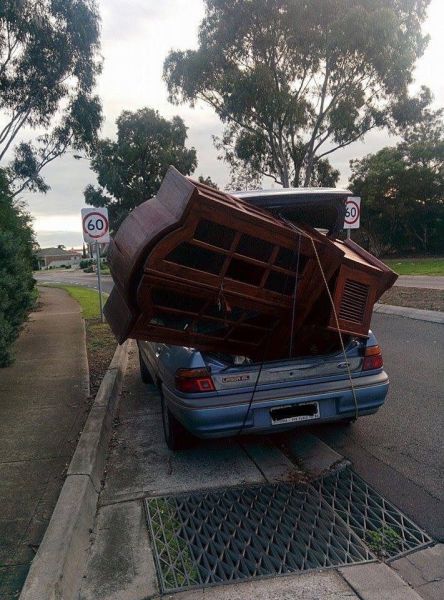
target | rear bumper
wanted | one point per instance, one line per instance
(226, 418)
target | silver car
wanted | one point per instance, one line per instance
(214, 395)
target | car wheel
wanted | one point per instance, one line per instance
(144, 372)
(176, 436)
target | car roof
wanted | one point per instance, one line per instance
(292, 197)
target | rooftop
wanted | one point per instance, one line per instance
(55, 252)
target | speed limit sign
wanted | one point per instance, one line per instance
(352, 213)
(95, 225)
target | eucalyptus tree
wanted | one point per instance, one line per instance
(48, 67)
(296, 80)
(403, 190)
(130, 169)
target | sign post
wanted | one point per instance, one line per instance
(352, 214)
(95, 225)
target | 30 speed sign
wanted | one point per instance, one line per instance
(95, 225)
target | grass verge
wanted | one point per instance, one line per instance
(100, 341)
(414, 298)
(416, 266)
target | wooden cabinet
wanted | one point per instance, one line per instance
(198, 267)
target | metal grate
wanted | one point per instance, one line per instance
(386, 530)
(253, 531)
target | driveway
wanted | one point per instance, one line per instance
(121, 563)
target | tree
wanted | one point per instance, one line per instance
(208, 181)
(403, 190)
(17, 294)
(294, 81)
(48, 68)
(130, 170)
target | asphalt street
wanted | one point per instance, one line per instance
(421, 281)
(400, 450)
(74, 278)
(90, 280)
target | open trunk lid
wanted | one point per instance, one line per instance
(230, 372)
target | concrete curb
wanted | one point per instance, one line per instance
(432, 316)
(315, 455)
(57, 568)
(376, 581)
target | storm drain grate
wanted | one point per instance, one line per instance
(386, 530)
(262, 530)
(239, 533)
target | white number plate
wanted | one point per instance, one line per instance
(275, 420)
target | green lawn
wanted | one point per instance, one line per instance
(87, 298)
(417, 266)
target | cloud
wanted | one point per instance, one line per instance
(130, 19)
(136, 37)
(52, 239)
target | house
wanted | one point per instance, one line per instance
(57, 257)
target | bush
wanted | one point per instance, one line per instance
(88, 270)
(17, 293)
(85, 263)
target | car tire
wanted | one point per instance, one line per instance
(176, 436)
(145, 375)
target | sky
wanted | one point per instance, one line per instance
(136, 37)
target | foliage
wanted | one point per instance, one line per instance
(17, 294)
(417, 266)
(86, 262)
(208, 181)
(294, 81)
(383, 542)
(48, 68)
(130, 170)
(403, 191)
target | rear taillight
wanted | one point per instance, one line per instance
(372, 359)
(192, 381)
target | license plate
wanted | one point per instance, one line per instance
(293, 413)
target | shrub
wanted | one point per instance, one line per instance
(17, 293)
(85, 263)
(88, 270)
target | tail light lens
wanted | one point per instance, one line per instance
(372, 359)
(192, 381)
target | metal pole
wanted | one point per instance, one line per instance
(99, 280)
(348, 234)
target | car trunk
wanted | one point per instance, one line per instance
(230, 372)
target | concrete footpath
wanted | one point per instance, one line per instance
(43, 404)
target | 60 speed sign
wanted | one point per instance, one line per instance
(352, 213)
(95, 225)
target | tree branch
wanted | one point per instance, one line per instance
(17, 128)
(348, 142)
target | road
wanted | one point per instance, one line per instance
(421, 281)
(90, 279)
(75, 277)
(400, 450)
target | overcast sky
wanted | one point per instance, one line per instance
(136, 37)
